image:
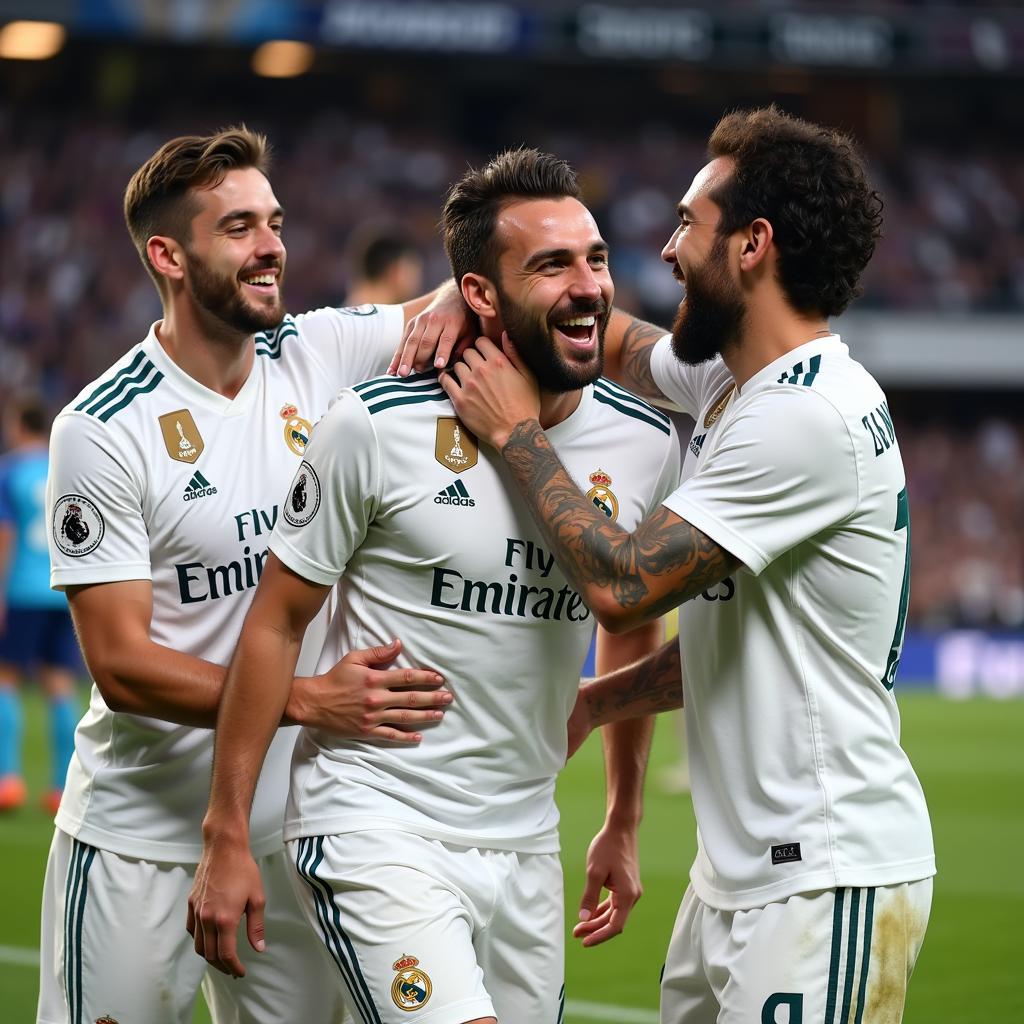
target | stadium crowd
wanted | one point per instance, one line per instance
(73, 296)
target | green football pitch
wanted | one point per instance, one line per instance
(970, 756)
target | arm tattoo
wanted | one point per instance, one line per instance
(635, 358)
(593, 551)
(646, 687)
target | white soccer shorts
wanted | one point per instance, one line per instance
(839, 956)
(451, 932)
(114, 947)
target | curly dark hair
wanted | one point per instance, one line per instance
(475, 200)
(810, 184)
(160, 200)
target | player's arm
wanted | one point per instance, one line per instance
(6, 553)
(628, 344)
(612, 859)
(227, 883)
(138, 676)
(625, 578)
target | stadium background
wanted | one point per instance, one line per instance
(382, 106)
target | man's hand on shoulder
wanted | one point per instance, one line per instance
(445, 326)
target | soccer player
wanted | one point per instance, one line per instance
(432, 875)
(788, 539)
(36, 635)
(166, 479)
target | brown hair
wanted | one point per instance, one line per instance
(159, 199)
(474, 202)
(810, 184)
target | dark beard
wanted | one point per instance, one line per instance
(536, 345)
(221, 297)
(709, 319)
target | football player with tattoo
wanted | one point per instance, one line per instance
(166, 478)
(432, 875)
(786, 544)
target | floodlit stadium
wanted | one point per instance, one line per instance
(373, 110)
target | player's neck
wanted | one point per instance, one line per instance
(554, 408)
(214, 355)
(770, 330)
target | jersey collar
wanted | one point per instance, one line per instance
(192, 388)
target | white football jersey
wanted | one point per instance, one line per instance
(155, 477)
(433, 544)
(799, 781)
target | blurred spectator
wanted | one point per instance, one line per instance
(384, 267)
(36, 636)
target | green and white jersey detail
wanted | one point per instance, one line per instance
(155, 477)
(799, 781)
(432, 543)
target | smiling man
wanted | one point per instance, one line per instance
(432, 875)
(166, 478)
(786, 544)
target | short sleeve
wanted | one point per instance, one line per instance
(783, 469)
(334, 495)
(94, 502)
(351, 343)
(689, 387)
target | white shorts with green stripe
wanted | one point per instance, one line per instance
(839, 956)
(427, 931)
(114, 947)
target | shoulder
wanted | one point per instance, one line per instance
(270, 344)
(120, 388)
(636, 414)
(385, 393)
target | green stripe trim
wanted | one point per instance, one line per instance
(635, 414)
(131, 395)
(397, 382)
(833, 970)
(865, 964)
(70, 894)
(615, 391)
(815, 367)
(405, 400)
(116, 379)
(392, 389)
(124, 384)
(851, 956)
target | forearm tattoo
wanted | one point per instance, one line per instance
(647, 687)
(635, 358)
(593, 551)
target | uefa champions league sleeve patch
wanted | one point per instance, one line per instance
(78, 525)
(304, 500)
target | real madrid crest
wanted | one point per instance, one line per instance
(411, 988)
(601, 494)
(454, 446)
(181, 436)
(296, 429)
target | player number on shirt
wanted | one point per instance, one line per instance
(896, 647)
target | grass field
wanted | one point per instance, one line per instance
(970, 756)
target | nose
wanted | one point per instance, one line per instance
(270, 243)
(668, 254)
(585, 284)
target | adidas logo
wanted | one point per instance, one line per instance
(198, 487)
(454, 494)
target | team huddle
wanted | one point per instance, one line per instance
(371, 545)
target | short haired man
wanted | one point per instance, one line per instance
(166, 478)
(433, 877)
(384, 266)
(787, 539)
